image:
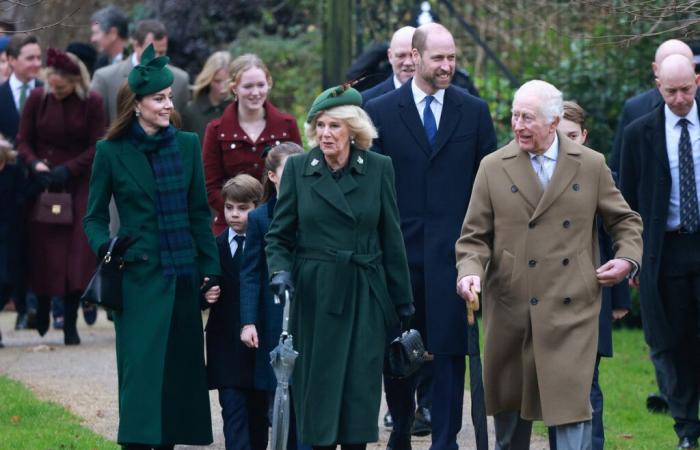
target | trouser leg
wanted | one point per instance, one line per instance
(353, 446)
(574, 436)
(598, 432)
(258, 423)
(512, 432)
(448, 399)
(42, 314)
(424, 387)
(70, 316)
(235, 415)
(400, 400)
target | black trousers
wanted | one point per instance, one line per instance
(679, 286)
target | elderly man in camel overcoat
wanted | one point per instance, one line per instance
(530, 235)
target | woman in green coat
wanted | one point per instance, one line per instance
(155, 174)
(335, 237)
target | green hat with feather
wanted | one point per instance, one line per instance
(151, 74)
(332, 97)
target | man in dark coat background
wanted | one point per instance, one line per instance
(436, 135)
(633, 109)
(24, 57)
(659, 178)
(402, 66)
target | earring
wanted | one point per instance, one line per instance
(138, 113)
(352, 140)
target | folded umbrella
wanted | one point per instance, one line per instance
(282, 359)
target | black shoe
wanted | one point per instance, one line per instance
(398, 443)
(21, 322)
(71, 339)
(43, 321)
(388, 421)
(1, 344)
(687, 443)
(657, 403)
(422, 425)
(89, 313)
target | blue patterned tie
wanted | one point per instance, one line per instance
(689, 196)
(429, 121)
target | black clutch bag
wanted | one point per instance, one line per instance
(405, 355)
(105, 286)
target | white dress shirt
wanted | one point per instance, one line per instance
(435, 106)
(397, 83)
(232, 242)
(549, 159)
(16, 87)
(673, 137)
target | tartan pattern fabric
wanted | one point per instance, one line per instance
(177, 252)
(690, 217)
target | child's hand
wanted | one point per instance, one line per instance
(211, 295)
(249, 336)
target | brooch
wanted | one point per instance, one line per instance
(360, 160)
(314, 162)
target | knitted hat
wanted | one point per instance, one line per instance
(151, 74)
(335, 96)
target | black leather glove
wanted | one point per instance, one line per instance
(120, 247)
(280, 282)
(405, 313)
(214, 280)
(59, 175)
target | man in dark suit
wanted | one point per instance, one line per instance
(109, 31)
(659, 177)
(402, 67)
(635, 108)
(24, 57)
(436, 135)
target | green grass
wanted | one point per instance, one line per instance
(626, 380)
(29, 423)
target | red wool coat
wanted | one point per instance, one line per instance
(228, 151)
(61, 132)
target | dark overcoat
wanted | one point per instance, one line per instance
(230, 364)
(378, 90)
(9, 116)
(61, 132)
(433, 188)
(342, 242)
(257, 304)
(645, 181)
(228, 151)
(159, 336)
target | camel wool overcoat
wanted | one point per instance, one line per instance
(537, 254)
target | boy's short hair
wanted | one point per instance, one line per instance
(242, 189)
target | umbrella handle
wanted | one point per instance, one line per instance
(285, 312)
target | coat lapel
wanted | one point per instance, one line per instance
(657, 135)
(568, 163)
(225, 252)
(411, 119)
(519, 169)
(136, 164)
(450, 117)
(326, 187)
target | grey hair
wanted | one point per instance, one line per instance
(552, 99)
(111, 16)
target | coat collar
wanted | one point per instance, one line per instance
(451, 116)
(519, 169)
(332, 191)
(275, 125)
(137, 165)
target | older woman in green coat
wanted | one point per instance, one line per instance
(155, 174)
(335, 237)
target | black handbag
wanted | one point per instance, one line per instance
(105, 286)
(405, 355)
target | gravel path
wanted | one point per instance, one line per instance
(84, 380)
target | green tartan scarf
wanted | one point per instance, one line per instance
(177, 253)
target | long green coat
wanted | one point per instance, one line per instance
(163, 397)
(342, 241)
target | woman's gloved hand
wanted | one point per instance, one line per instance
(280, 282)
(405, 313)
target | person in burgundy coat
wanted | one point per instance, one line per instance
(59, 127)
(234, 142)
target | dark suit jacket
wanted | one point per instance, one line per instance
(645, 181)
(257, 303)
(433, 190)
(615, 297)
(9, 116)
(378, 90)
(230, 364)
